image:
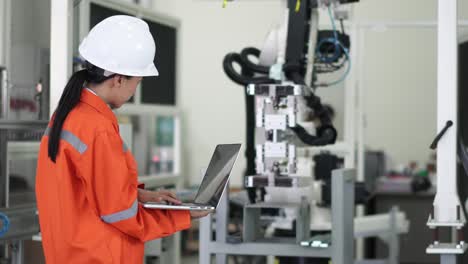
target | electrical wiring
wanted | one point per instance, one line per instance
(339, 50)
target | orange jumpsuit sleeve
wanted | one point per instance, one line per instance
(112, 187)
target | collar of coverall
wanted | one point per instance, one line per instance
(90, 98)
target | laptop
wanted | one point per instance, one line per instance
(213, 184)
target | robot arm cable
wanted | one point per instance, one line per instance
(238, 78)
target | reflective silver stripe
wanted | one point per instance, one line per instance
(122, 215)
(125, 148)
(71, 139)
(74, 141)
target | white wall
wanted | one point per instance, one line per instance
(399, 75)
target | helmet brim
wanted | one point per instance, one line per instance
(151, 71)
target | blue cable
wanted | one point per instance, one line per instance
(332, 22)
(5, 224)
(338, 47)
(348, 70)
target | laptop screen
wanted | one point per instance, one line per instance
(217, 174)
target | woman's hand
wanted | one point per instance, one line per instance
(169, 197)
(158, 197)
(199, 214)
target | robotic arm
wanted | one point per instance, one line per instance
(280, 89)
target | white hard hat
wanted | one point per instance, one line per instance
(121, 44)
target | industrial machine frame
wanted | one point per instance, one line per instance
(341, 250)
(23, 216)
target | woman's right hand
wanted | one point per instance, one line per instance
(160, 196)
(199, 214)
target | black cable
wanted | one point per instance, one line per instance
(327, 134)
(342, 26)
(315, 103)
(257, 68)
(297, 78)
(292, 72)
(441, 134)
(243, 80)
(250, 153)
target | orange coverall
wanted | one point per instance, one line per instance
(87, 200)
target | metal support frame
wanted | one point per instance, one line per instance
(341, 250)
(252, 225)
(166, 249)
(343, 215)
(393, 238)
(5, 25)
(446, 203)
(221, 231)
(3, 13)
(8, 127)
(3, 169)
(447, 212)
(4, 97)
(17, 250)
(448, 259)
(60, 49)
(23, 220)
(389, 234)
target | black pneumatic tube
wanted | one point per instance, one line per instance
(326, 135)
(251, 51)
(243, 80)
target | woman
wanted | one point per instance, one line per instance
(87, 191)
